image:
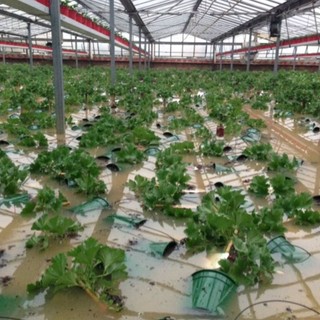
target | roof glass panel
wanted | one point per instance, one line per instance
(206, 19)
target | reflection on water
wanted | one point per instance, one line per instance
(158, 287)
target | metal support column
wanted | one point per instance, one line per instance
(112, 43)
(89, 49)
(57, 65)
(3, 56)
(145, 53)
(232, 49)
(130, 46)
(152, 51)
(221, 45)
(30, 45)
(139, 48)
(294, 58)
(214, 52)
(249, 50)
(149, 55)
(76, 49)
(276, 59)
(170, 46)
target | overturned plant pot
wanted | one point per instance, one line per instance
(316, 199)
(290, 253)
(163, 249)
(4, 143)
(168, 134)
(113, 167)
(152, 151)
(211, 290)
(227, 149)
(87, 125)
(218, 184)
(241, 158)
(96, 203)
(133, 221)
(103, 158)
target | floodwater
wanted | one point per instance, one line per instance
(161, 287)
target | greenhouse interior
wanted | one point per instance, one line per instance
(159, 160)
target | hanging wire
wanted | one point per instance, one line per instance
(276, 300)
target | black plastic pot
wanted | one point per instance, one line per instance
(4, 143)
(168, 134)
(227, 149)
(113, 167)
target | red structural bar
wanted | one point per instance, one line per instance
(38, 47)
(283, 44)
(301, 55)
(76, 16)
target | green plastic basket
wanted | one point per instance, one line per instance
(211, 290)
(291, 253)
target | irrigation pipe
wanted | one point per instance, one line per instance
(270, 301)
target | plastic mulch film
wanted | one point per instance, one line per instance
(15, 200)
(97, 203)
(289, 252)
(212, 290)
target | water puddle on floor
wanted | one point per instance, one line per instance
(157, 287)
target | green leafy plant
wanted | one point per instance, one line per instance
(282, 186)
(259, 186)
(217, 219)
(167, 188)
(76, 168)
(45, 201)
(95, 268)
(182, 147)
(269, 221)
(307, 217)
(12, 177)
(293, 203)
(56, 227)
(253, 263)
(259, 151)
(130, 154)
(282, 162)
(212, 148)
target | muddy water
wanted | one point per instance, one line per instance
(158, 287)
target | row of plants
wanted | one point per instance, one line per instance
(164, 190)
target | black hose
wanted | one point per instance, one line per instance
(282, 301)
(9, 318)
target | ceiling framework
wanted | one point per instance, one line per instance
(210, 20)
(284, 10)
